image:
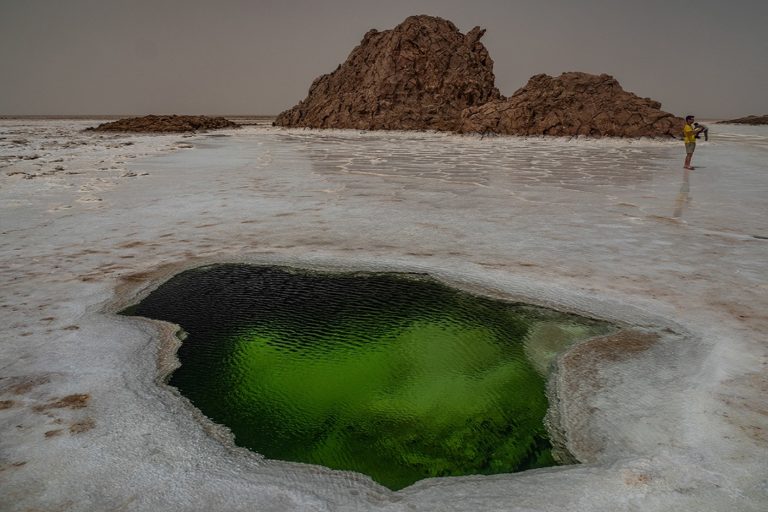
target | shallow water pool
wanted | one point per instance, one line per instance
(396, 376)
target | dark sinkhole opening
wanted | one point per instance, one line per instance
(396, 376)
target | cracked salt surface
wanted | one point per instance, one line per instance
(673, 418)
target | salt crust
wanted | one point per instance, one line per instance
(590, 226)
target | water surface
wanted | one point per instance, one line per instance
(396, 376)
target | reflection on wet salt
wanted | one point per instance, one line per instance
(684, 196)
(506, 162)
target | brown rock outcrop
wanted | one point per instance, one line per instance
(572, 104)
(165, 124)
(419, 75)
(754, 120)
(425, 75)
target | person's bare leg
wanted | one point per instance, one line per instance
(688, 158)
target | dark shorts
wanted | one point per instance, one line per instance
(689, 147)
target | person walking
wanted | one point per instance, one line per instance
(689, 136)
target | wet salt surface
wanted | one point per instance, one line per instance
(613, 229)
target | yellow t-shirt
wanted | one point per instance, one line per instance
(688, 134)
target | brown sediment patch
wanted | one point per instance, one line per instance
(54, 433)
(111, 267)
(740, 311)
(634, 479)
(76, 401)
(130, 245)
(136, 276)
(90, 251)
(661, 218)
(615, 347)
(11, 465)
(103, 271)
(576, 381)
(22, 384)
(6, 404)
(82, 426)
(493, 264)
(748, 410)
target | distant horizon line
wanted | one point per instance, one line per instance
(120, 116)
(229, 116)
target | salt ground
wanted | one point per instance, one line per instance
(608, 228)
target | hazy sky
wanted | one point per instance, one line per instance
(260, 56)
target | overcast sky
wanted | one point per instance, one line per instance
(260, 56)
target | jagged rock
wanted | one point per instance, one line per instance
(572, 104)
(419, 75)
(164, 124)
(754, 120)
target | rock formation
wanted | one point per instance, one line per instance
(425, 74)
(572, 104)
(754, 120)
(419, 75)
(165, 124)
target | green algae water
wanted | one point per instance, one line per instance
(396, 376)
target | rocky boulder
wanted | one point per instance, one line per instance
(420, 75)
(165, 124)
(572, 104)
(753, 120)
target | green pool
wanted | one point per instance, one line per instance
(396, 376)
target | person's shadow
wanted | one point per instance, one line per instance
(684, 196)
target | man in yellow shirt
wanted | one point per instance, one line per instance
(689, 135)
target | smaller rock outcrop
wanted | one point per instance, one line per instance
(753, 120)
(572, 104)
(165, 124)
